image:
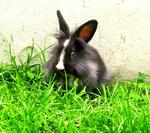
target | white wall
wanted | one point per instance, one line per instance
(122, 37)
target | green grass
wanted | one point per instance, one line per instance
(29, 104)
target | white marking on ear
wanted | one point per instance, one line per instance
(60, 64)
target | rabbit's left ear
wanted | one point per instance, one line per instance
(63, 25)
(87, 30)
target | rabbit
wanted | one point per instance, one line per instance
(76, 57)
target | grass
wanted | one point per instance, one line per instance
(29, 104)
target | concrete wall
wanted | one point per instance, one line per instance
(122, 37)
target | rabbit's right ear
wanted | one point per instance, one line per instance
(87, 30)
(63, 25)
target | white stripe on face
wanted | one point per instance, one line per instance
(60, 64)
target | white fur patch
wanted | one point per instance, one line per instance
(60, 64)
(92, 69)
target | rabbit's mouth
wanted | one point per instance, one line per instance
(67, 70)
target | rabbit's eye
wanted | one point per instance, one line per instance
(73, 54)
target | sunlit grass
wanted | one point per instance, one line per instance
(29, 104)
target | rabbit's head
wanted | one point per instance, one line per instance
(72, 47)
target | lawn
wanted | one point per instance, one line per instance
(29, 104)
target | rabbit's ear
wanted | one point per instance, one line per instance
(63, 25)
(87, 30)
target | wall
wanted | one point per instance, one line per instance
(122, 37)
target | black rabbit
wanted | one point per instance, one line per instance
(76, 57)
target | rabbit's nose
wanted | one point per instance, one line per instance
(60, 66)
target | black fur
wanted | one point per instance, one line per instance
(80, 60)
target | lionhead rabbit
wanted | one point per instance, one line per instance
(75, 56)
